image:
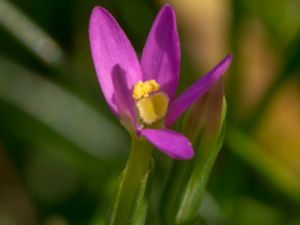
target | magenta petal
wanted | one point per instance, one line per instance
(170, 142)
(198, 89)
(161, 55)
(115, 61)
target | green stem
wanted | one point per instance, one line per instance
(130, 204)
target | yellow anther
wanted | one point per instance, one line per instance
(153, 108)
(143, 89)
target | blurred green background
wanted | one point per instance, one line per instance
(61, 149)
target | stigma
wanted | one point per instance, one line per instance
(151, 104)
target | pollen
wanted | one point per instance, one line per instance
(143, 89)
(153, 108)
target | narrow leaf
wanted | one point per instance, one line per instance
(204, 125)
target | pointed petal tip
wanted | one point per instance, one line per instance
(98, 10)
(223, 66)
(170, 142)
(229, 55)
(168, 10)
(167, 7)
(197, 90)
(189, 154)
(226, 62)
(229, 58)
(95, 17)
(161, 54)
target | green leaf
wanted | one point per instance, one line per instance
(204, 125)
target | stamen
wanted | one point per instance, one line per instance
(143, 89)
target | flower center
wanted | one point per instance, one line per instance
(151, 104)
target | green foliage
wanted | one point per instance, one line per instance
(61, 150)
(186, 186)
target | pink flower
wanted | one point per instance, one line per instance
(142, 94)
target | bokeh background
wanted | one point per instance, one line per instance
(61, 149)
